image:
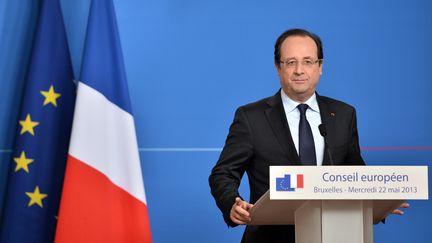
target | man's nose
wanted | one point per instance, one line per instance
(298, 69)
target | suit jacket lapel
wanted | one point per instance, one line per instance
(327, 116)
(278, 122)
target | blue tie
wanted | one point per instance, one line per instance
(306, 141)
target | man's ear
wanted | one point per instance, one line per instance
(277, 66)
(321, 67)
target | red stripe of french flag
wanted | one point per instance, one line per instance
(300, 181)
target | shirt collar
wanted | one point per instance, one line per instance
(290, 105)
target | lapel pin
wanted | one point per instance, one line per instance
(332, 114)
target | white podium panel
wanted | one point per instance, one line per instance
(337, 204)
(348, 182)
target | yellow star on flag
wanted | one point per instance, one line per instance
(22, 162)
(36, 197)
(28, 125)
(50, 96)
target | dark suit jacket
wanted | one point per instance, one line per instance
(259, 137)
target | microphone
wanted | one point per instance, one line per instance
(323, 132)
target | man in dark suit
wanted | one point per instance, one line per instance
(283, 130)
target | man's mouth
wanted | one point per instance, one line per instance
(299, 80)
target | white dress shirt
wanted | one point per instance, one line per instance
(313, 117)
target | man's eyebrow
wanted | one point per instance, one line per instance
(293, 58)
(308, 57)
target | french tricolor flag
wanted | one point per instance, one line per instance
(103, 196)
(296, 180)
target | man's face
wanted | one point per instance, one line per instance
(297, 79)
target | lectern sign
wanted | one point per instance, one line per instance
(348, 182)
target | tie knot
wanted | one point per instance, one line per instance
(302, 108)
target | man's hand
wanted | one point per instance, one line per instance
(240, 211)
(400, 212)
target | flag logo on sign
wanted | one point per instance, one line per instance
(289, 182)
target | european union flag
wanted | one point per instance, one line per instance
(284, 183)
(42, 140)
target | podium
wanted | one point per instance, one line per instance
(337, 204)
